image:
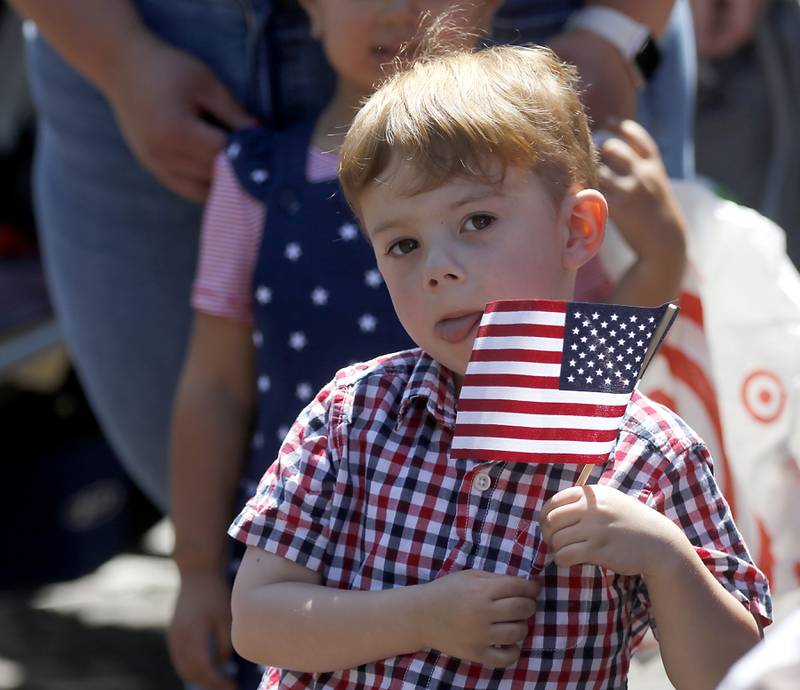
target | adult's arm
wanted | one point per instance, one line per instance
(608, 77)
(165, 100)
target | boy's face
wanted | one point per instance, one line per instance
(447, 252)
(362, 37)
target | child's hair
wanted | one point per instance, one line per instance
(453, 113)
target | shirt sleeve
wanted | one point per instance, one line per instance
(688, 494)
(290, 512)
(233, 223)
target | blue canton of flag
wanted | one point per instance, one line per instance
(605, 346)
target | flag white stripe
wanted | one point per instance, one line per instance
(517, 343)
(525, 368)
(532, 446)
(540, 318)
(539, 421)
(542, 395)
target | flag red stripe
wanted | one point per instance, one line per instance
(536, 356)
(532, 434)
(512, 381)
(527, 305)
(550, 408)
(520, 330)
(509, 456)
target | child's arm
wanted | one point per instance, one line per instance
(641, 203)
(211, 418)
(702, 628)
(283, 616)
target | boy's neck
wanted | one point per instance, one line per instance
(335, 119)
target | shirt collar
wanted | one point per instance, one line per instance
(433, 384)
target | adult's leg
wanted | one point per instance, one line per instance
(119, 250)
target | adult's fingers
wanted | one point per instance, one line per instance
(638, 138)
(216, 99)
(187, 187)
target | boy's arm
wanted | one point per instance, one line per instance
(211, 418)
(702, 629)
(283, 616)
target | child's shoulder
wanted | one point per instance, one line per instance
(394, 367)
(666, 436)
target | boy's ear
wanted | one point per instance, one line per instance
(584, 215)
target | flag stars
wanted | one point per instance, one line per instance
(571, 379)
(633, 318)
(612, 333)
(590, 365)
(595, 316)
(623, 326)
(586, 324)
(642, 326)
(640, 343)
(592, 348)
(264, 383)
(628, 366)
(576, 314)
(614, 317)
(608, 382)
(582, 355)
(589, 379)
(609, 365)
(572, 362)
(651, 319)
(594, 332)
(604, 324)
(574, 346)
(584, 339)
(576, 330)
(580, 371)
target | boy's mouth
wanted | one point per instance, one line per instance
(455, 328)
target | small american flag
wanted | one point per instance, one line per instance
(549, 381)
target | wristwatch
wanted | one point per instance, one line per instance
(634, 40)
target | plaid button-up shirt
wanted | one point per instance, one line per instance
(364, 493)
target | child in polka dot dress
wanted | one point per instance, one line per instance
(286, 293)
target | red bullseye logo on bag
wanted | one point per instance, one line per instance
(763, 395)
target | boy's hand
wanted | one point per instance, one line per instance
(478, 616)
(605, 527)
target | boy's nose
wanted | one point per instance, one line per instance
(441, 270)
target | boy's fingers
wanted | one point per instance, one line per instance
(508, 633)
(572, 554)
(500, 657)
(513, 609)
(511, 587)
(564, 536)
(563, 498)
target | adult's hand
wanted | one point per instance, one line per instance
(173, 113)
(607, 78)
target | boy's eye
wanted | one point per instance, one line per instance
(402, 247)
(480, 221)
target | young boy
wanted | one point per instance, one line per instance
(375, 560)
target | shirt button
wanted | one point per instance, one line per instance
(482, 481)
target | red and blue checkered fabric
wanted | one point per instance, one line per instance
(364, 493)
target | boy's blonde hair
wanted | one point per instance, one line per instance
(455, 113)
